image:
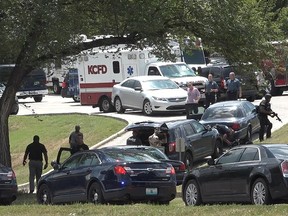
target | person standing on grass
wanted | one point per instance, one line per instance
(35, 150)
(73, 138)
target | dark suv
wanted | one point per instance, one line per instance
(245, 74)
(199, 141)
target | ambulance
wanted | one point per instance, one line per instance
(99, 70)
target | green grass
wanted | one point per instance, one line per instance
(54, 131)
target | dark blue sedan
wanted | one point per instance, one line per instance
(8, 185)
(241, 116)
(108, 175)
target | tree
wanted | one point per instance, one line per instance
(36, 31)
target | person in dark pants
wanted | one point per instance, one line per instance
(211, 89)
(74, 137)
(233, 85)
(263, 113)
(35, 151)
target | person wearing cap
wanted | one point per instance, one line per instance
(234, 90)
(73, 138)
(263, 113)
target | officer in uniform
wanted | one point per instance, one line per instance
(264, 111)
(134, 139)
(233, 87)
(211, 88)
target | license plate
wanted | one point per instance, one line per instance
(151, 191)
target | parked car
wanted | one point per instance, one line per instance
(199, 142)
(156, 153)
(241, 116)
(8, 185)
(70, 85)
(149, 94)
(107, 175)
(249, 173)
(15, 107)
(245, 74)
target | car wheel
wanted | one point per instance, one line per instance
(76, 98)
(147, 108)
(44, 195)
(260, 193)
(251, 98)
(105, 105)
(118, 105)
(38, 98)
(191, 194)
(218, 150)
(188, 160)
(95, 194)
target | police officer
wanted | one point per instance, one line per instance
(264, 111)
(134, 139)
(233, 87)
(211, 88)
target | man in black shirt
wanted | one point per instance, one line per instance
(134, 139)
(35, 151)
(211, 89)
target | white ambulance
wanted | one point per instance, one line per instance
(99, 70)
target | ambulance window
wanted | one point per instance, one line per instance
(153, 71)
(116, 67)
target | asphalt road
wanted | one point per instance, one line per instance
(52, 104)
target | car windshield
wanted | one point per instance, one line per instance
(159, 84)
(280, 152)
(128, 156)
(176, 70)
(220, 112)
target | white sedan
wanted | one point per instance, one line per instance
(149, 94)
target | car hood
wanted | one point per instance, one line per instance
(167, 93)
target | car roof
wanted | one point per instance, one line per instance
(151, 125)
(228, 103)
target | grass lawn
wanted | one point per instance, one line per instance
(54, 131)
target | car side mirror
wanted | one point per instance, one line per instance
(137, 88)
(211, 162)
(55, 165)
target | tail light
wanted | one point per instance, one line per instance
(170, 170)
(64, 84)
(172, 147)
(120, 170)
(284, 168)
(223, 83)
(235, 126)
(11, 175)
(182, 167)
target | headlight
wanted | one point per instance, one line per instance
(159, 99)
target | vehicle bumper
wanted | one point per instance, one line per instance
(31, 93)
(137, 192)
(8, 192)
(159, 106)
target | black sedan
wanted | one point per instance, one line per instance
(8, 185)
(248, 173)
(108, 175)
(241, 116)
(156, 153)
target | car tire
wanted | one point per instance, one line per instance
(191, 193)
(260, 192)
(218, 150)
(105, 105)
(44, 195)
(118, 105)
(38, 98)
(95, 194)
(251, 98)
(147, 108)
(76, 98)
(188, 160)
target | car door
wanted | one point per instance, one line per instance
(216, 182)
(125, 90)
(241, 171)
(252, 115)
(136, 95)
(63, 181)
(205, 138)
